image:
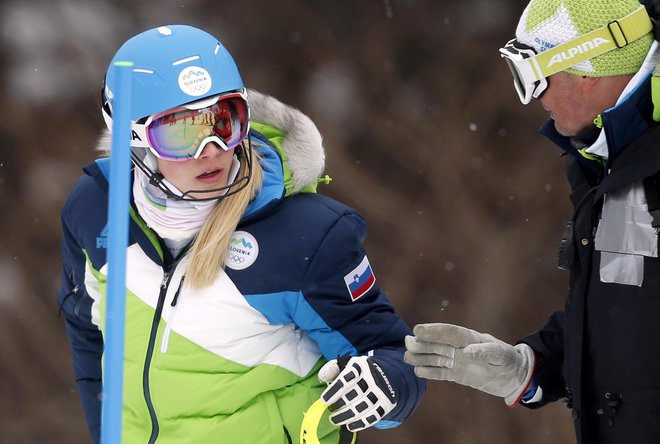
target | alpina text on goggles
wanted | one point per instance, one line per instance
(182, 133)
(530, 70)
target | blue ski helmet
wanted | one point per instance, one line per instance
(173, 65)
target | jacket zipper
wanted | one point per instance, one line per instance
(73, 292)
(167, 277)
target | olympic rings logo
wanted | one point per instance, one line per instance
(243, 251)
(197, 88)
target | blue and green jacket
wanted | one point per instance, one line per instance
(236, 361)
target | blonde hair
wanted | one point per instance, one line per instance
(210, 248)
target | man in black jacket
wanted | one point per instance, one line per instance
(590, 63)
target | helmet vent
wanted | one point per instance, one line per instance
(187, 59)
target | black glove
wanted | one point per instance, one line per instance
(359, 392)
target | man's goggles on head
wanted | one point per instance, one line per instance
(182, 133)
(530, 70)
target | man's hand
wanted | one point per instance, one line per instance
(359, 394)
(453, 353)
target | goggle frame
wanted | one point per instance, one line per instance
(141, 137)
(521, 60)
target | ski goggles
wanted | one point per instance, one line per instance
(182, 133)
(527, 78)
(531, 69)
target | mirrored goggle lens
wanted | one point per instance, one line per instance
(180, 134)
(523, 90)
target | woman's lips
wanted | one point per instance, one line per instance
(209, 176)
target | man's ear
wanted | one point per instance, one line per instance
(604, 91)
(589, 83)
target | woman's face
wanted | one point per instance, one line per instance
(209, 171)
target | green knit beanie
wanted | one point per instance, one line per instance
(547, 23)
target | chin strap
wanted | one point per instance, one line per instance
(155, 178)
(158, 180)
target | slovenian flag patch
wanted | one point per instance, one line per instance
(360, 279)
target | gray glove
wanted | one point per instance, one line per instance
(453, 353)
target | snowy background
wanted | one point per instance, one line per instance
(424, 135)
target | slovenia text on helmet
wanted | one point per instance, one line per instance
(182, 76)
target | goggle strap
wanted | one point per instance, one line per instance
(536, 69)
(139, 136)
(616, 34)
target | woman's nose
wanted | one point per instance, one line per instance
(211, 149)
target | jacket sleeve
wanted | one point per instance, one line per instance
(355, 316)
(548, 346)
(84, 337)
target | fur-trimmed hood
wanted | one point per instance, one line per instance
(302, 144)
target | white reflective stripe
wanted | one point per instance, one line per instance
(625, 225)
(625, 236)
(189, 59)
(626, 269)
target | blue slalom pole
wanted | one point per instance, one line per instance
(118, 217)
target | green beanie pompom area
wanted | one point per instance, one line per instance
(548, 23)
